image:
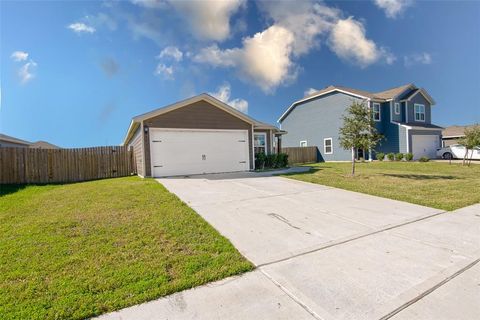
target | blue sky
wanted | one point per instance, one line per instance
(75, 72)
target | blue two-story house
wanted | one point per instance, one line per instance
(402, 114)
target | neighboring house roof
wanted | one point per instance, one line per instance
(419, 126)
(43, 145)
(454, 131)
(135, 123)
(4, 137)
(381, 96)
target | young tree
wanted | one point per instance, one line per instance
(358, 131)
(470, 141)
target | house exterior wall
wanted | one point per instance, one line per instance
(317, 119)
(198, 115)
(446, 142)
(390, 131)
(8, 144)
(411, 110)
(137, 145)
(412, 132)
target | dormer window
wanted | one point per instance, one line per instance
(376, 112)
(397, 108)
(419, 112)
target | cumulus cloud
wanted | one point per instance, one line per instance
(417, 58)
(209, 20)
(26, 72)
(393, 8)
(349, 42)
(110, 67)
(309, 91)
(223, 94)
(171, 52)
(263, 58)
(19, 56)
(164, 71)
(80, 27)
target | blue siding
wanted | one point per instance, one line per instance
(316, 120)
(411, 113)
(390, 131)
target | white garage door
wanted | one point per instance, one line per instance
(184, 152)
(425, 146)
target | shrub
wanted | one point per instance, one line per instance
(282, 160)
(260, 160)
(380, 156)
(423, 159)
(409, 156)
(270, 161)
(390, 156)
(399, 156)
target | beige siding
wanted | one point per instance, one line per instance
(199, 115)
(137, 145)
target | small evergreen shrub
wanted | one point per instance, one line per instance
(399, 156)
(271, 161)
(260, 161)
(282, 160)
(423, 159)
(390, 156)
(380, 156)
(409, 156)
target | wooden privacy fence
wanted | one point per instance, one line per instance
(25, 165)
(301, 154)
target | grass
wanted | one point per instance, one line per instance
(79, 250)
(436, 185)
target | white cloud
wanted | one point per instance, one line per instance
(19, 56)
(393, 8)
(80, 27)
(25, 72)
(349, 42)
(99, 20)
(223, 94)
(164, 71)
(264, 58)
(417, 58)
(172, 52)
(209, 20)
(309, 91)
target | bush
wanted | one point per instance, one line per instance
(380, 156)
(409, 156)
(270, 161)
(260, 161)
(399, 156)
(390, 156)
(282, 160)
(423, 159)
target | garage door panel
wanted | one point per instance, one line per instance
(178, 152)
(425, 146)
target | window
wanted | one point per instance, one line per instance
(419, 112)
(376, 111)
(259, 142)
(303, 143)
(327, 146)
(397, 108)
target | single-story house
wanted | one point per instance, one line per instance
(198, 135)
(450, 135)
(9, 141)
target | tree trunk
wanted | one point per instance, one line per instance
(353, 162)
(470, 160)
(465, 156)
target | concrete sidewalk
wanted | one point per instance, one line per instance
(325, 253)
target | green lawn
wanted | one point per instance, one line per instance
(78, 250)
(437, 185)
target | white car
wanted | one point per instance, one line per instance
(457, 151)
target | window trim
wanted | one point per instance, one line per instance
(379, 112)
(325, 146)
(306, 143)
(397, 110)
(264, 134)
(415, 105)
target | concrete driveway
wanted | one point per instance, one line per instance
(326, 253)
